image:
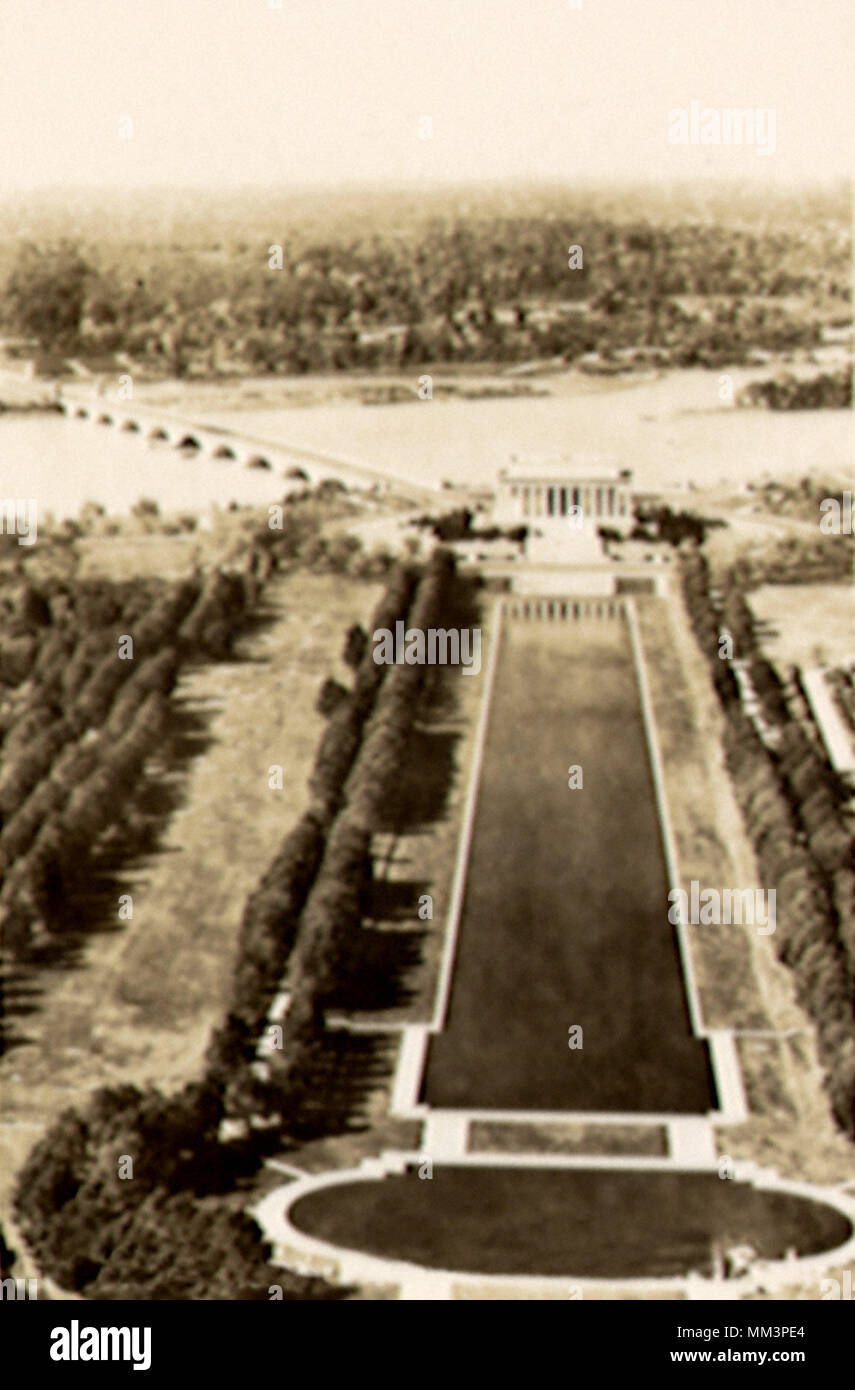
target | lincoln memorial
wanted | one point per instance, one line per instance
(563, 503)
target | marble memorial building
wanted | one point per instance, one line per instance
(563, 503)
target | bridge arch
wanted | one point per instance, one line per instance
(259, 461)
(188, 441)
(225, 451)
(131, 425)
(106, 419)
(159, 433)
(81, 413)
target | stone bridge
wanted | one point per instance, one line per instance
(230, 446)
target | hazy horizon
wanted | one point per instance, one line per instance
(329, 94)
(739, 183)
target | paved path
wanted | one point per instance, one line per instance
(836, 733)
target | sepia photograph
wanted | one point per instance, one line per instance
(427, 670)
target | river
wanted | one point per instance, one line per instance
(672, 431)
(65, 462)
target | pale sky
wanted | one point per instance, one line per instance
(230, 92)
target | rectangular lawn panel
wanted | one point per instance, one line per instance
(565, 913)
(547, 1137)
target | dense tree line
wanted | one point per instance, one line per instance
(457, 525)
(794, 559)
(78, 722)
(490, 284)
(826, 390)
(343, 735)
(171, 1227)
(176, 1230)
(273, 912)
(843, 688)
(662, 523)
(327, 936)
(794, 808)
(324, 946)
(298, 931)
(170, 1231)
(814, 916)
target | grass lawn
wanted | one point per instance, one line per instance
(809, 624)
(565, 913)
(585, 1222)
(490, 1136)
(141, 1002)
